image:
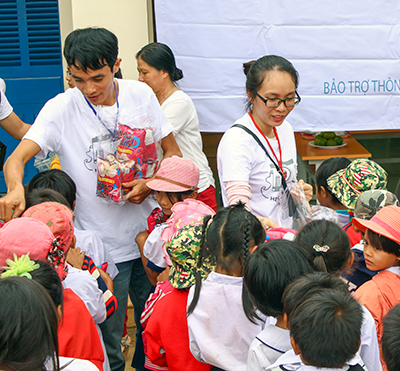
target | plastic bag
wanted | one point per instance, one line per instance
(124, 155)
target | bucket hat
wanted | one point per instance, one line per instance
(184, 213)
(370, 202)
(21, 236)
(58, 217)
(176, 174)
(183, 250)
(386, 222)
(360, 176)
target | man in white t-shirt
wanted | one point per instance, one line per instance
(69, 125)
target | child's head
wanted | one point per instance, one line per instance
(28, 326)
(57, 180)
(328, 168)
(268, 271)
(41, 195)
(183, 249)
(325, 328)
(307, 283)
(370, 202)
(176, 179)
(59, 219)
(382, 238)
(360, 176)
(390, 342)
(38, 271)
(228, 238)
(327, 246)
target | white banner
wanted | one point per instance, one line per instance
(346, 52)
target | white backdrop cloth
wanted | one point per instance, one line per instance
(346, 52)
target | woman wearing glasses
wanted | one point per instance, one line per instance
(249, 172)
(157, 68)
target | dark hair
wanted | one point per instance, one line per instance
(55, 179)
(49, 279)
(390, 341)
(28, 326)
(320, 233)
(267, 273)
(328, 168)
(227, 238)
(40, 195)
(382, 242)
(160, 57)
(180, 196)
(326, 327)
(255, 72)
(91, 48)
(303, 285)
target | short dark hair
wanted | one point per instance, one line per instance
(328, 168)
(269, 270)
(160, 57)
(390, 341)
(382, 242)
(57, 180)
(28, 326)
(325, 233)
(40, 195)
(91, 48)
(326, 327)
(255, 72)
(307, 283)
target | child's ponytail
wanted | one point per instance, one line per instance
(227, 238)
(326, 244)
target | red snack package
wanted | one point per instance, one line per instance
(108, 180)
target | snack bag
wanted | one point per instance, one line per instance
(108, 179)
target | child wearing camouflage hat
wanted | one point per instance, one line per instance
(347, 184)
(163, 347)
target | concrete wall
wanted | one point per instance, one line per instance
(130, 20)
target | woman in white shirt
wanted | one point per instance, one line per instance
(246, 172)
(157, 68)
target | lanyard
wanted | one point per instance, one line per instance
(280, 163)
(101, 120)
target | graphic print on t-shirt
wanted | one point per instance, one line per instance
(274, 180)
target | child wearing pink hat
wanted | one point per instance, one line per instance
(175, 181)
(27, 235)
(382, 253)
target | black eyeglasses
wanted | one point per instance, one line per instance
(275, 102)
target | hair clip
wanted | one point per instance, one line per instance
(19, 267)
(321, 249)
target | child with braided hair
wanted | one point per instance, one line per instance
(220, 334)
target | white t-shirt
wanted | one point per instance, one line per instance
(182, 115)
(219, 332)
(291, 361)
(240, 158)
(68, 126)
(5, 107)
(83, 284)
(267, 347)
(88, 242)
